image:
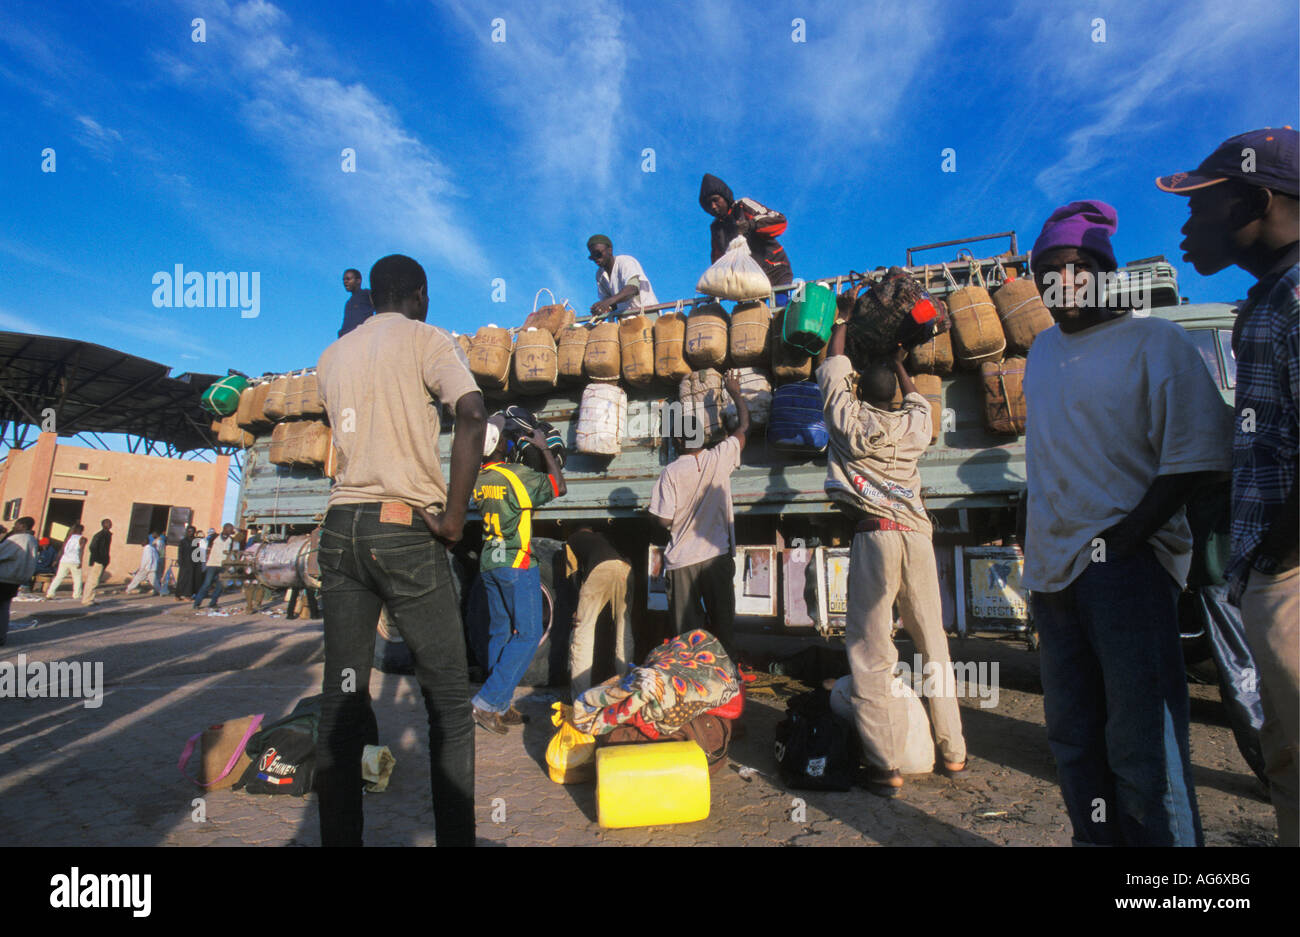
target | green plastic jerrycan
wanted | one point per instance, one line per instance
(222, 398)
(808, 321)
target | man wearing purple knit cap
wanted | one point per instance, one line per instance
(1124, 425)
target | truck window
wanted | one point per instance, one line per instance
(1229, 359)
(1203, 339)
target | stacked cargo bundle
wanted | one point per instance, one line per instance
(291, 406)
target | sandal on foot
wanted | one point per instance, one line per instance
(884, 783)
(951, 769)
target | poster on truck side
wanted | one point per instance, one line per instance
(993, 583)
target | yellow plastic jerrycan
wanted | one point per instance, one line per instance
(651, 784)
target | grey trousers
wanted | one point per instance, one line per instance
(885, 565)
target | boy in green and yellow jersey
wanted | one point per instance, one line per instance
(505, 495)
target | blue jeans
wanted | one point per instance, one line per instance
(514, 599)
(366, 565)
(1115, 696)
(211, 580)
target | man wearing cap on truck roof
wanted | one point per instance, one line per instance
(621, 284)
(384, 543)
(871, 474)
(760, 225)
(1125, 424)
(505, 495)
(1243, 205)
(692, 499)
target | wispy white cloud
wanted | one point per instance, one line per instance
(561, 73)
(95, 137)
(400, 188)
(10, 322)
(853, 71)
(157, 332)
(1120, 89)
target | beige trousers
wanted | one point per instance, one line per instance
(610, 583)
(93, 573)
(65, 567)
(885, 565)
(1270, 614)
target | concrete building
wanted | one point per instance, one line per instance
(61, 485)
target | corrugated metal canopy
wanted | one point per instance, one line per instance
(93, 389)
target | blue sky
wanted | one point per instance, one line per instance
(491, 159)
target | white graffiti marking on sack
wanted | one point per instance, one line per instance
(75, 890)
(54, 680)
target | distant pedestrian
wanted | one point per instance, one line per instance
(217, 553)
(97, 560)
(358, 307)
(47, 557)
(189, 563)
(148, 571)
(692, 500)
(505, 496)
(70, 562)
(160, 545)
(17, 566)
(1244, 203)
(1124, 425)
(606, 580)
(621, 284)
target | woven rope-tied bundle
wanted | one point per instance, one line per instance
(670, 345)
(976, 330)
(1022, 312)
(603, 358)
(1004, 395)
(637, 343)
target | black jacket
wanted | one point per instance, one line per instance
(761, 225)
(99, 545)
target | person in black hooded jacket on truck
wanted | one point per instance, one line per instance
(759, 224)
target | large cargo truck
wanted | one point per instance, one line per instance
(792, 555)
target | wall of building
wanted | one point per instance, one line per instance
(112, 482)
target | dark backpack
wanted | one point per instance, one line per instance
(813, 748)
(284, 753)
(523, 451)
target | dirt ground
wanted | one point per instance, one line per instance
(72, 775)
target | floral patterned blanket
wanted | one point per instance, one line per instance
(679, 680)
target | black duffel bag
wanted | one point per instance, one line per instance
(814, 748)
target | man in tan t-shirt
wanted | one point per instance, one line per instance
(383, 544)
(693, 500)
(872, 474)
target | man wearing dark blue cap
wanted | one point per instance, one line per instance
(1124, 423)
(1243, 204)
